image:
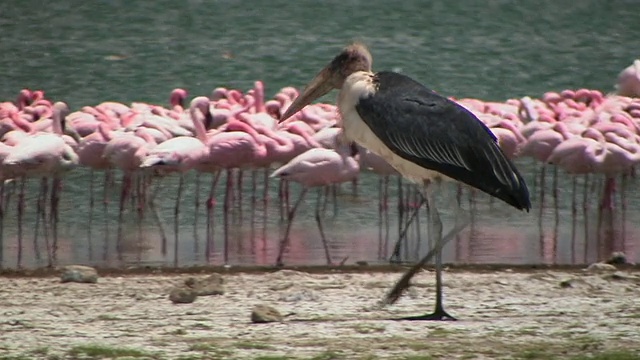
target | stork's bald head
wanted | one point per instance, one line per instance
(353, 58)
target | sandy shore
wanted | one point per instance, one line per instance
(503, 314)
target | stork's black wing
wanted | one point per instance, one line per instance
(438, 134)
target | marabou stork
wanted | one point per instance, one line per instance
(423, 135)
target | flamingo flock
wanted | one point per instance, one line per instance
(580, 131)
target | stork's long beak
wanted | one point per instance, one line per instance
(319, 86)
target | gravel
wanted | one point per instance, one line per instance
(503, 314)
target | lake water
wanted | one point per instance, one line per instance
(88, 52)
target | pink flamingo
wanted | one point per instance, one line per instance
(318, 117)
(238, 146)
(18, 128)
(7, 108)
(329, 137)
(474, 105)
(179, 154)
(332, 138)
(629, 80)
(113, 109)
(544, 122)
(279, 149)
(527, 110)
(509, 137)
(235, 145)
(126, 152)
(90, 152)
(258, 96)
(218, 112)
(301, 133)
(286, 96)
(273, 108)
(541, 143)
(619, 155)
(91, 148)
(168, 127)
(199, 106)
(25, 97)
(314, 168)
(261, 119)
(83, 123)
(576, 155)
(177, 99)
(42, 154)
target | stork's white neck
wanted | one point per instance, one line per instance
(356, 86)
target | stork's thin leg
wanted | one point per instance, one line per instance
(385, 247)
(420, 200)
(401, 208)
(403, 284)
(407, 206)
(319, 221)
(439, 313)
(291, 215)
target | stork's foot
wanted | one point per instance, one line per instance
(438, 315)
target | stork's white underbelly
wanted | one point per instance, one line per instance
(359, 85)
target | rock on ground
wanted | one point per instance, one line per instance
(211, 285)
(79, 274)
(265, 314)
(182, 295)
